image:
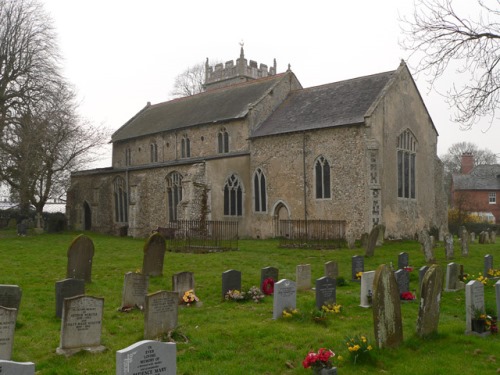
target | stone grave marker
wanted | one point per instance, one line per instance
(154, 254)
(65, 289)
(81, 325)
(449, 250)
(326, 291)
(472, 237)
(403, 281)
(426, 245)
(160, 313)
(465, 243)
(386, 308)
(10, 296)
(147, 357)
(421, 274)
(17, 368)
(474, 300)
(493, 237)
(135, 289)
(372, 241)
(285, 297)
(357, 265)
(8, 318)
(231, 280)
(488, 264)
(403, 260)
(332, 269)
(430, 298)
(433, 241)
(303, 276)
(268, 273)
(497, 295)
(182, 282)
(367, 289)
(452, 278)
(80, 254)
(381, 234)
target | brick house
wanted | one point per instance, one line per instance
(257, 147)
(477, 189)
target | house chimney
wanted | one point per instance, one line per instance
(467, 162)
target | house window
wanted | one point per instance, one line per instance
(233, 197)
(223, 141)
(406, 157)
(493, 198)
(128, 156)
(185, 147)
(121, 201)
(322, 173)
(174, 194)
(153, 152)
(259, 190)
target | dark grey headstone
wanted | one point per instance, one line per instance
(17, 368)
(326, 291)
(268, 273)
(332, 269)
(10, 296)
(428, 312)
(8, 317)
(403, 281)
(403, 260)
(65, 289)
(488, 264)
(135, 288)
(183, 282)
(160, 313)
(80, 254)
(147, 357)
(231, 280)
(357, 265)
(452, 277)
(154, 254)
(285, 297)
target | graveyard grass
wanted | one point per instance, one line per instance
(231, 337)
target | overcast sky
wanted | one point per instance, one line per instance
(120, 54)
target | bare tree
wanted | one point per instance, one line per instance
(441, 38)
(190, 81)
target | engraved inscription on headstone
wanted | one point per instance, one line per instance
(326, 291)
(231, 280)
(474, 300)
(17, 368)
(358, 265)
(366, 293)
(8, 318)
(332, 269)
(160, 313)
(135, 288)
(268, 273)
(303, 276)
(285, 297)
(65, 289)
(147, 357)
(182, 282)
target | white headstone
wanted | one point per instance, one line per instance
(285, 297)
(497, 293)
(366, 288)
(303, 276)
(474, 300)
(8, 318)
(147, 357)
(17, 368)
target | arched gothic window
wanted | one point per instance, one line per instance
(223, 141)
(233, 197)
(260, 191)
(322, 174)
(406, 156)
(185, 147)
(153, 153)
(128, 156)
(174, 194)
(121, 201)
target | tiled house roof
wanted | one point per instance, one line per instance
(482, 177)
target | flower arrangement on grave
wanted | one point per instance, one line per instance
(491, 324)
(359, 348)
(254, 294)
(268, 286)
(468, 277)
(289, 313)
(234, 295)
(408, 268)
(407, 296)
(189, 297)
(325, 311)
(323, 359)
(494, 272)
(358, 275)
(478, 321)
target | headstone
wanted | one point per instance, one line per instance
(65, 289)
(285, 297)
(403, 260)
(147, 357)
(17, 368)
(160, 313)
(332, 269)
(486, 237)
(10, 296)
(474, 300)
(268, 273)
(326, 291)
(452, 278)
(386, 308)
(488, 264)
(449, 246)
(433, 241)
(472, 237)
(303, 276)
(182, 282)
(154, 254)
(465, 243)
(426, 245)
(357, 266)
(231, 280)
(8, 318)
(135, 289)
(403, 281)
(497, 295)
(421, 274)
(81, 325)
(482, 237)
(80, 254)
(381, 234)
(364, 240)
(430, 298)
(22, 228)
(493, 237)
(367, 288)
(372, 241)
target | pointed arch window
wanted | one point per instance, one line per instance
(406, 157)
(153, 149)
(322, 174)
(174, 194)
(223, 141)
(233, 197)
(121, 201)
(128, 156)
(260, 191)
(185, 147)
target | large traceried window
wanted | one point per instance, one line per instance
(406, 156)
(233, 197)
(223, 141)
(174, 194)
(185, 147)
(322, 174)
(259, 189)
(121, 201)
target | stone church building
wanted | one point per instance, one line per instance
(256, 147)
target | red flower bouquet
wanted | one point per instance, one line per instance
(407, 296)
(268, 286)
(321, 359)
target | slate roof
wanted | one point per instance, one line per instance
(208, 107)
(482, 177)
(334, 104)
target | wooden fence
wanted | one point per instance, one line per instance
(316, 234)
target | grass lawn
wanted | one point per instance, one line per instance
(239, 338)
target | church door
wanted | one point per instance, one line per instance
(87, 217)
